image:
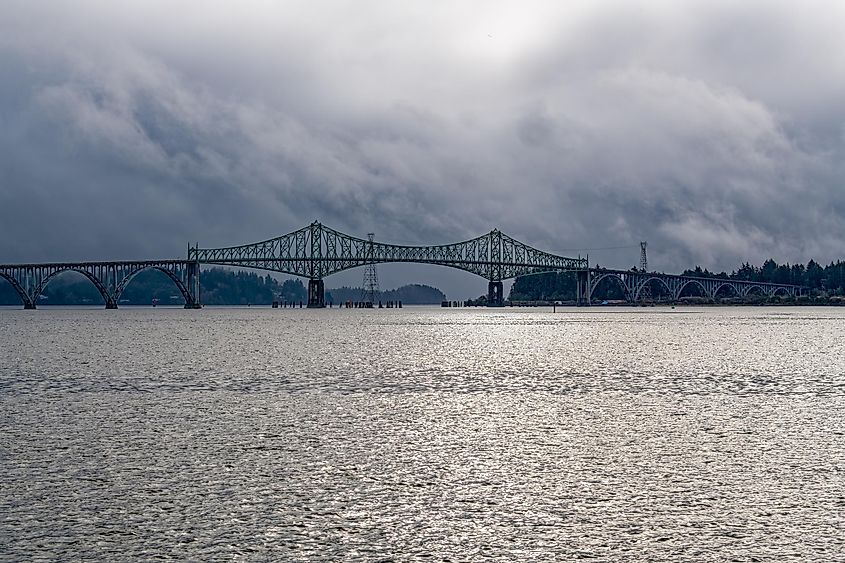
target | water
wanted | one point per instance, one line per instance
(262, 434)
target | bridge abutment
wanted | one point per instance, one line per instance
(495, 294)
(316, 294)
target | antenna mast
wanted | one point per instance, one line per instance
(645, 292)
(643, 257)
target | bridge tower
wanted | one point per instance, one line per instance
(495, 287)
(316, 286)
(371, 288)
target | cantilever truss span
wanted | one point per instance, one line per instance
(317, 251)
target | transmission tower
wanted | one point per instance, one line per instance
(645, 292)
(370, 276)
(643, 257)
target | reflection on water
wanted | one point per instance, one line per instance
(655, 434)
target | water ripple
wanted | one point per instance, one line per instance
(687, 435)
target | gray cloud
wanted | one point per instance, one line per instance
(714, 130)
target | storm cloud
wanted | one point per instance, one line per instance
(714, 130)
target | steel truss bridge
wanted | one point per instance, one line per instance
(317, 251)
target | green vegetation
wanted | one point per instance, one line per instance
(225, 287)
(558, 286)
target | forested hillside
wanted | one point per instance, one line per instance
(414, 294)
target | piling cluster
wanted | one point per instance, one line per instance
(370, 305)
(345, 305)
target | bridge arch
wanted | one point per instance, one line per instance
(786, 291)
(641, 286)
(734, 290)
(688, 282)
(749, 289)
(27, 302)
(91, 277)
(186, 295)
(625, 289)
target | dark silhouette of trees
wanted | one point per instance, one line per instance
(829, 279)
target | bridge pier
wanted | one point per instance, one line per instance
(316, 294)
(111, 305)
(495, 294)
(29, 306)
(193, 292)
(583, 288)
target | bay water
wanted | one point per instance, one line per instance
(611, 434)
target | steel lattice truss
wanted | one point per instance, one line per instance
(317, 251)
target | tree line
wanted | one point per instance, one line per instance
(829, 279)
(821, 280)
(412, 294)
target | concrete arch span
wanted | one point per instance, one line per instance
(732, 286)
(110, 278)
(642, 284)
(101, 288)
(750, 289)
(618, 277)
(25, 299)
(685, 283)
(121, 287)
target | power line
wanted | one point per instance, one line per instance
(405, 242)
(583, 249)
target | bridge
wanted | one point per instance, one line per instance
(317, 251)
(110, 278)
(634, 283)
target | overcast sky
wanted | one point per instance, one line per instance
(714, 130)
